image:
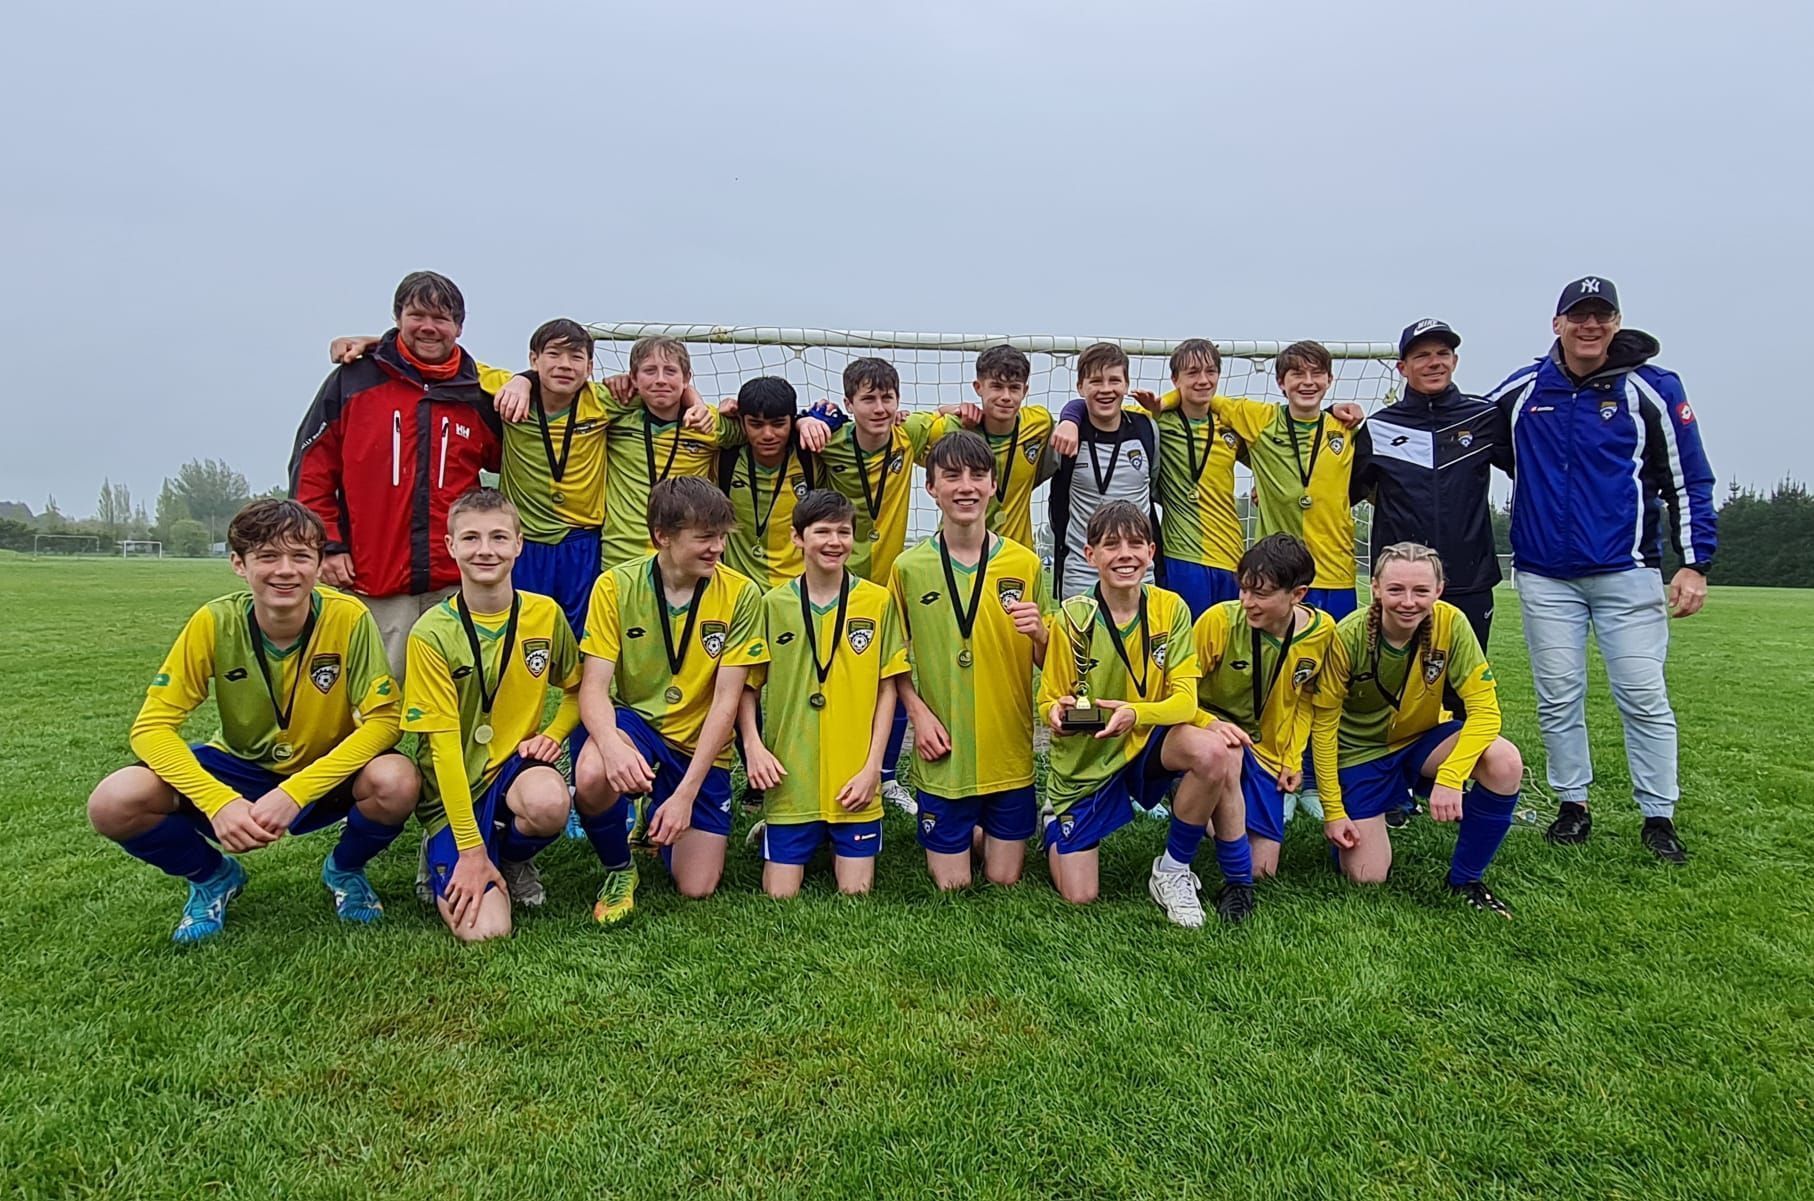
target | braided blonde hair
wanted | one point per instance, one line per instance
(1403, 552)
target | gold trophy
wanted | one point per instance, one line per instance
(1085, 714)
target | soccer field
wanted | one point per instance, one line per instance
(1638, 1031)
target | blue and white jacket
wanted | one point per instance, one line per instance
(1602, 464)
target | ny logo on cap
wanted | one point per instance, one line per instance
(1590, 286)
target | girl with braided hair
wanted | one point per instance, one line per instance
(1380, 715)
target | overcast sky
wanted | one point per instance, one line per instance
(198, 196)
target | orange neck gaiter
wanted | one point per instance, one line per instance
(431, 371)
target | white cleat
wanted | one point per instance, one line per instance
(896, 794)
(1176, 893)
(524, 880)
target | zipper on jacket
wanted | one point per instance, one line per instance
(441, 480)
(396, 449)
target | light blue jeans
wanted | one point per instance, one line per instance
(1631, 623)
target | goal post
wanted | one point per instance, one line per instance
(937, 369)
(141, 548)
(65, 544)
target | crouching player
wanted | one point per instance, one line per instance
(1379, 710)
(670, 638)
(480, 666)
(308, 717)
(1260, 656)
(1127, 645)
(833, 651)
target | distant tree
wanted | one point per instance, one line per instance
(171, 508)
(16, 535)
(113, 508)
(188, 539)
(1502, 528)
(211, 492)
(17, 510)
(52, 521)
(279, 492)
(1767, 541)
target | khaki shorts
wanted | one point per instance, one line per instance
(396, 616)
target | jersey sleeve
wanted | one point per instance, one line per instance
(431, 705)
(492, 379)
(1472, 678)
(604, 621)
(1325, 728)
(1210, 638)
(1179, 705)
(1681, 473)
(745, 645)
(918, 427)
(894, 644)
(177, 689)
(447, 758)
(1247, 418)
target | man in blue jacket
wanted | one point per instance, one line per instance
(1607, 453)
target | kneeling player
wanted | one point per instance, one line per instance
(308, 716)
(833, 652)
(1380, 702)
(480, 666)
(1128, 645)
(670, 638)
(1261, 655)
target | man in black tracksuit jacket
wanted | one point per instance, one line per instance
(1426, 463)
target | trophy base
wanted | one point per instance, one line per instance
(1084, 717)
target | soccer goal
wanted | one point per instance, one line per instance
(141, 548)
(937, 369)
(65, 544)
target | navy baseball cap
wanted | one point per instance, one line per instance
(1588, 287)
(1427, 329)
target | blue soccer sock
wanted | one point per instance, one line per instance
(609, 833)
(360, 839)
(518, 847)
(1235, 858)
(177, 847)
(1181, 843)
(1485, 817)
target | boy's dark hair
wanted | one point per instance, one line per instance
(267, 521)
(1303, 356)
(643, 349)
(1118, 517)
(429, 290)
(561, 329)
(482, 500)
(876, 373)
(1193, 352)
(689, 503)
(823, 504)
(1003, 364)
(964, 449)
(767, 397)
(1276, 561)
(1098, 358)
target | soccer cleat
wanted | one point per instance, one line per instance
(753, 840)
(574, 829)
(524, 880)
(1310, 802)
(752, 800)
(1659, 835)
(1234, 903)
(1400, 817)
(1572, 825)
(1176, 893)
(617, 897)
(425, 891)
(355, 900)
(1476, 894)
(205, 912)
(896, 794)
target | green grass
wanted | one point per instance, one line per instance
(1636, 1032)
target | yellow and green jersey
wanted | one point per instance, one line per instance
(1239, 663)
(1374, 698)
(1020, 466)
(640, 452)
(880, 484)
(444, 690)
(1301, 470)
(334, 683)
(823, 745)
(570, 443)
(1198, 522)
(624, 625)
(1162, 686)
(987, 706)
(761, 546)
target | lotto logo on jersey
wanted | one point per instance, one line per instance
(1011, 591)
(535, 655)
(324, 670)
(1433, 663)
(787, 636)
(860, 633)
(711, 636)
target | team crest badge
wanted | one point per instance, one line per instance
(1302, 671)
(324, 670)
(800, 489)
(712, 635)
(535, 655)
(1066, 825)
(896, 461)
(1336, 442)
(1136, 458)
(1433, 663)
(1466, 438)
(1011, 590)
(1030, 452)
(1228, 437)
(1607, 410)
(1159, 651)
(927, 822)
(860, 633)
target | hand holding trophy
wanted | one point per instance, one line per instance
(1083, 715)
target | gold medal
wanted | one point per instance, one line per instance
(481, 734)
(816, 700)
(1303, 502)
(282, 751)
(875, 535)
(672, 695)
(965, 658)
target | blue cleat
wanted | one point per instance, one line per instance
(355, 900)
(205, 912)
(574, 829)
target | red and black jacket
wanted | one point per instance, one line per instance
(381, 455)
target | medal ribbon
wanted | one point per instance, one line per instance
(1297, 456)
(1007, 473)
(1260, 698)
(1190, 446)
(264, 668)
(648, 449)
(675, 662)
(1392, 698)
(811, 622)
(557, 467)
(763, 519)
(1104, 478)
(1146, 640)
(872, 503)
(966, 618)
(488, 695)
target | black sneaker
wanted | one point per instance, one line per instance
(1401, 817)
(1660, 836)
(1477, 895)
(1572, 825)
(1234, 904)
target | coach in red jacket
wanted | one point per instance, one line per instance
(390, 441)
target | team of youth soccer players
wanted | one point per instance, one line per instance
(661, 586)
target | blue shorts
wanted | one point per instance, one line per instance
(1265, 803)
(946, 827)
(1336, 602)
(1200, 586)
(253, 780)
(711, 808)
(489, 811)
(1370, 789)
(1143, 782)
(564, 570)
(794, 844)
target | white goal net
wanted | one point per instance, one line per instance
(141, 548)
(65, 544)
(937, 369)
